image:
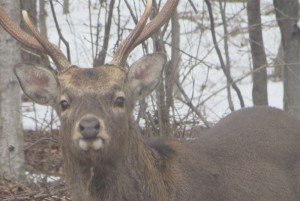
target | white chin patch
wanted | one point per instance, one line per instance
(94, 144)
(97, 144)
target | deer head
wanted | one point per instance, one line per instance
(94, 104)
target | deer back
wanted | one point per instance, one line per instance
(252, 154)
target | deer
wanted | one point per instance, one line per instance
(252, 154)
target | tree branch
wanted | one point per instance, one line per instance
(59, 32)
(233, 84)
(100, 59)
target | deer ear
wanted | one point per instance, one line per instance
(145, 74)
(38, 83)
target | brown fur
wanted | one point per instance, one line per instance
(252, 154)
(81, 81)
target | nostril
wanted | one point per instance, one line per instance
(97, 126)
(89, 127)
(81, 127)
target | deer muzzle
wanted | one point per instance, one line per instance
(89, 128)
(91, 133)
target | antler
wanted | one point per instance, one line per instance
(142, 31)
(56, 54)
(37, 41)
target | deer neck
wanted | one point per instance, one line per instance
(141, 168)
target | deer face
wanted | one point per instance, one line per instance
(95, 105)
(91, 101)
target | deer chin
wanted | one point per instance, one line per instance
(95, 144)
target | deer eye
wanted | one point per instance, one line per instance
(64, 105)
(119, 102)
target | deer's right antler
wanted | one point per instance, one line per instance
(142, 31)
(37, 41)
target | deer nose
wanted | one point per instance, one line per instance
(89, 127)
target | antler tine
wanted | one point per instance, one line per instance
(122, 51)
(56, 54)
(36, 42)
(144, 31)
(16, 32)
(160, 19)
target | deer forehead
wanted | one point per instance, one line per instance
(100, 80)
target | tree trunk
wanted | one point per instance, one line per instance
(30, 56)
(42, 18)
(278, 64)
(11, 137)
(226, 49)
(100, 57)
(172, 68)
(260, 88)
(287, 18)
(66, 7)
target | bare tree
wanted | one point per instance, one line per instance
(163, 111)
(278, 63)
(42, 17)
(287, 14)
(101, 55)
(227, 53)
(30, 55)
(222, 63)
(173, 67)
(11, 138)
(66, 7)
(260, 89)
